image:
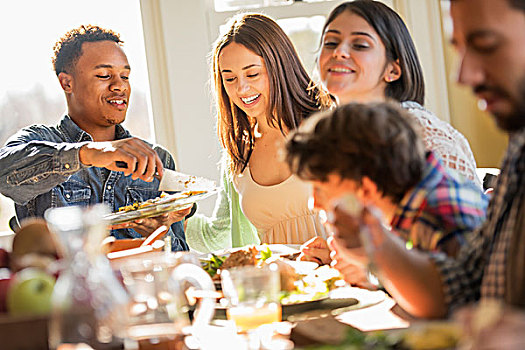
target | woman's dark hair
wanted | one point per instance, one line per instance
(376, 140)
(293, 97)
(398, 46)
(519, 4)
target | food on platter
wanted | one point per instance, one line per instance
(432, 335)
(295, 287)
(243, 257)
(158, 200)
(247, 256)
(213, 264)
(420, 336)
(138, 205)
(165, 203)
(314, 286)
(288, 274)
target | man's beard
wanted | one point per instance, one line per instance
(515, 120)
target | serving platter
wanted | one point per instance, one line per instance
(166, 204)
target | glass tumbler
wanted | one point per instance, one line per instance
(253, 295)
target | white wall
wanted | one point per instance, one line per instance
(177, 45)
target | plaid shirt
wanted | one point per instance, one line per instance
(439, 208)
(479, 270)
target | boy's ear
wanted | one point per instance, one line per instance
(66, 81)
(369, 191)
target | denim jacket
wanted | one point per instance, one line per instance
(40, 169)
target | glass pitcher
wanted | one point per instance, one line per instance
(158, 310)
(88, 302)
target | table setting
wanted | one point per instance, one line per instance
(254, 297)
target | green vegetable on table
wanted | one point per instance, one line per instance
(213, 264)
(266, 253)
(357, 340)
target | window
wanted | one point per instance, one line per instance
(236, 5)
(301, 20)
(305, 33)
(29, 89)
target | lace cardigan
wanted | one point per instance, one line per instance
(445, 141)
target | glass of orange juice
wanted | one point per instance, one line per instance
(253, 295)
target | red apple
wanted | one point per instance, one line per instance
(30, 292)
(5, 281)
(4, 258)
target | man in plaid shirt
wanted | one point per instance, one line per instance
(490, 38)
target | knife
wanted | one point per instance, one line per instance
(173, 181)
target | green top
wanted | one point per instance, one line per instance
(227, 228)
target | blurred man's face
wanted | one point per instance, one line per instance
(490, 38)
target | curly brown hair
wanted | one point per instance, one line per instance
(356, 140)
(293, 96)
(68, 49)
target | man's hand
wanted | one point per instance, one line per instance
(346, 227)
(146, 226)
(316, 250)
(142, 161)
(348, 263)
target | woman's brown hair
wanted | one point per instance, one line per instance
(293, 96)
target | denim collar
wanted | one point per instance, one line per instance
(75, 134)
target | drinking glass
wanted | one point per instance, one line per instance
(158, 311)
(253, 295)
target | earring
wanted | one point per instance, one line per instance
(388, 79)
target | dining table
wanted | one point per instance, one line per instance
(345, 306)
(383, 315)
(369, 311)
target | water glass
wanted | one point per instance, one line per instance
(253, 295)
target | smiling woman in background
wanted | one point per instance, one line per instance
(262, 93)
(367, 55)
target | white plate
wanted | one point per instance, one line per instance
(302, 267)
(365, 297)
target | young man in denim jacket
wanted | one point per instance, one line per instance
(74, 162)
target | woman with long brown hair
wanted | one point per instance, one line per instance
(262, 92)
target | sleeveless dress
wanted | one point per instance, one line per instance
(279, 212)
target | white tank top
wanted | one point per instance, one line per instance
(279, 212)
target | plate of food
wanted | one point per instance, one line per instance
(304, 285)
(421, 335)
(286, 251)
(153, 207)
